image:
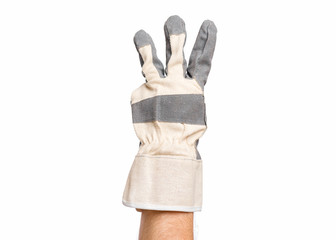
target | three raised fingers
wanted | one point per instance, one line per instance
(175, 33)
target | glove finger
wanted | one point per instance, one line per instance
(202, 53)
(152, 67)
(175, 33)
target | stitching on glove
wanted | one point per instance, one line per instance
(167, 157)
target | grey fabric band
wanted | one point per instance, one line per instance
(181, 108)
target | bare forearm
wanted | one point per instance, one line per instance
(166, 225)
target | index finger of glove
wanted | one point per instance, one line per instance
(202, 53)
(151, 65)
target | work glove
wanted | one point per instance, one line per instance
(169, 117)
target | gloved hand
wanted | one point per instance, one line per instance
(169, 117)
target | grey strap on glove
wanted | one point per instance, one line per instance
(169, 117)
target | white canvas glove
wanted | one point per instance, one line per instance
(169, 117)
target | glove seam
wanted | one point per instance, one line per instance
(141, 205)
(168, 157)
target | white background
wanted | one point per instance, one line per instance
(67, 70)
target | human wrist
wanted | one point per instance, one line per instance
(166, 225)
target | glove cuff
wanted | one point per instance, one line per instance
(165, 183)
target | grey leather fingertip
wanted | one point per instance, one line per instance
(141, 38)
(175, 25)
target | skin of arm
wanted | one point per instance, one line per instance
(166, 225)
